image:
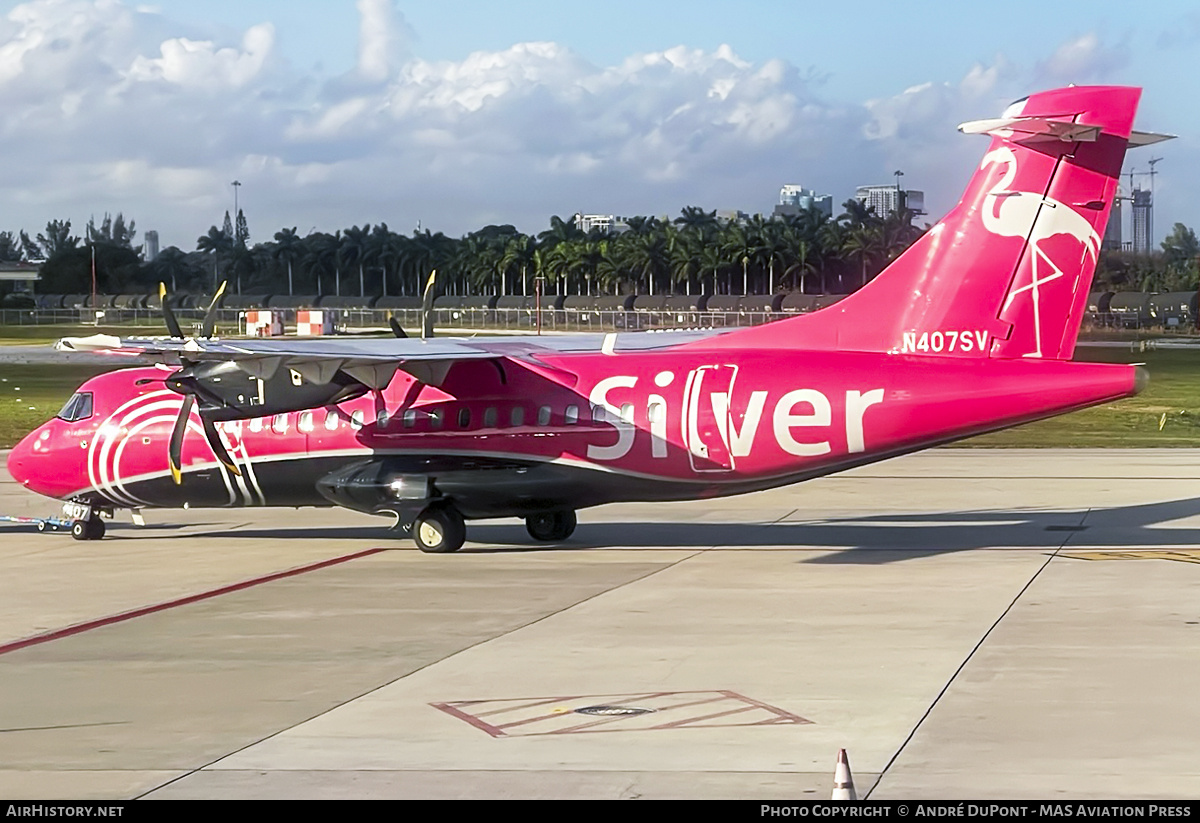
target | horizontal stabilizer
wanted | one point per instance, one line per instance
(1147, 138)
(1062, 128)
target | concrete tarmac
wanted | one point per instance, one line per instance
(966, 623)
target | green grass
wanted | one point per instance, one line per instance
(1174, 390)
(31, 394)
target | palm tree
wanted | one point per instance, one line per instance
(320, 256)
(219, 245)
(288, 248)
(521, 259)
(172, 266)
(352, 250)
(694, 217)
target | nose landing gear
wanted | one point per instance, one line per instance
(90, 529)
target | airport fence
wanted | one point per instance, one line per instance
(459, 319)
(229, 321)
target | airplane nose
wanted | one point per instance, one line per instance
(20, 459)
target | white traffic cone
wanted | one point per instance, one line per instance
(843, 783)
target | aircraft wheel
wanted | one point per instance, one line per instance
(551, 526)
(42, 525)
(80, 530)
(439, 529)
(95, 528)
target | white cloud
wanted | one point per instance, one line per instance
(1082, 60)
(105, 109)
(382, 41)
(200, 64)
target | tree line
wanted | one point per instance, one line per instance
(695, 253)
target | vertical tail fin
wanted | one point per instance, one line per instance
(1006, 273)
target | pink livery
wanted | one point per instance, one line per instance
(971, 330)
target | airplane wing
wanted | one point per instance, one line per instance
(374, 361)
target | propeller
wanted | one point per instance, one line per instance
(184, 382)
(427, 306)
(168, 315)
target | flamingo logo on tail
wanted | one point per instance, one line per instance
(1031, 215)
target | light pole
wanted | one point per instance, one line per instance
(236, 185)
(236, 239)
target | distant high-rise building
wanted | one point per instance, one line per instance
(1142, 222)
(794, 199)
(888, 200)
(607, 223)
(1112, 234)
(151, 251)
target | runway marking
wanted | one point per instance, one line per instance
(79, 628)
(1187, 556)
(528, 716)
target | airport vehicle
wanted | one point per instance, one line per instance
(40, 523)
(972, 329)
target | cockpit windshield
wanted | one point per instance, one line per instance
(79, 407)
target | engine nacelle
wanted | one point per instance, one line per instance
(227, 392)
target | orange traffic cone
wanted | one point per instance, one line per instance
(843, 783)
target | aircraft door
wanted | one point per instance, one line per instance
(706, 412)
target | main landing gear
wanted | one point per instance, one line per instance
(90, 529)
(550, 527)
(440, 528)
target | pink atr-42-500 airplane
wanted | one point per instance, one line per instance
(972, 329)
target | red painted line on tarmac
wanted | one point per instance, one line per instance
(470, 718)
(170, 604)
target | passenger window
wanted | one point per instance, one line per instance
(410, 418)
(436, 417)
(256, 424)
(279, 424)
(381, 419)
(331, 420)
(357, 419)
(599, 414)
(489, 417)
(306, 422)
(627, 413)
(571, 416)
(656, 412)
(464, 417)
(518, 416)
(543, 418)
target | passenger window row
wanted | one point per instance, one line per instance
(306, 421)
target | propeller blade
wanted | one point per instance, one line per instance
(427, 306)
(210, 317)
(168, 315)
(175, 450)
(218, 445)
(396, 330)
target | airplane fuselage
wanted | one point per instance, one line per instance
(502, 437)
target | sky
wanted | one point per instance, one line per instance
(454, 115)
